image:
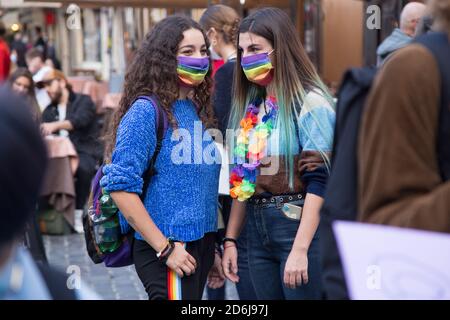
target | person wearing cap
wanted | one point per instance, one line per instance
(23, 160)
(73, 115)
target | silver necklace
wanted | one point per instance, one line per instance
(231, 56)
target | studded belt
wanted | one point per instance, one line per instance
(278, 200)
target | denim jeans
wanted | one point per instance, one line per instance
(244, 287)
(270, 238)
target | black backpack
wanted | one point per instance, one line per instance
(341, 195)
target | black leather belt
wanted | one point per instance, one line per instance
(275, 199)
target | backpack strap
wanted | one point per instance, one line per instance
(438, 44)
(161, 126)
(56, 283)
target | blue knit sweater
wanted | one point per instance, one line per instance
(181, 198)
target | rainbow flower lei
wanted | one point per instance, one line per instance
(243, 175)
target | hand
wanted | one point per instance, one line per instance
(48, 128)
(296, 269)
(216, 277)
(229, 263)
(181, 261)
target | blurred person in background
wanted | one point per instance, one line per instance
(52, 59)
(21, 82)
(425, 25)
(36, 65)
(18, 51)
(400, 37)
(73, 115)
(405, 181)
(20, 181)
(5, 57)
(221, 24)
(40, 43)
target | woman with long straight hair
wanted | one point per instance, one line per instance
(284, 118)
(176, 222)
(21, 82)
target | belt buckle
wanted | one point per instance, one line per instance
(279, 202)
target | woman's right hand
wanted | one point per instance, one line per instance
(181, 261)
(229, 263)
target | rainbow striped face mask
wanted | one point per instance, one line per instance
(192, 71)
(258, 68)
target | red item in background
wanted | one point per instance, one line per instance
(50, 18)
(5, 61)
(216, 65)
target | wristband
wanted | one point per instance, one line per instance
(165, 253)
(230, 240)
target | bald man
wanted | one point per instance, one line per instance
(400, 37)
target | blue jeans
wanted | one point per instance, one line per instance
(270, 238)
(244, 286)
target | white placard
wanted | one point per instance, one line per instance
(382, 262)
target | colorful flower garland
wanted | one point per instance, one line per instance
(243, 175)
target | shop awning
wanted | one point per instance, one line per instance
(13, 4)
(171, 3)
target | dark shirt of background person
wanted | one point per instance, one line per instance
(223, 82)
(20, 49)
(40, 43)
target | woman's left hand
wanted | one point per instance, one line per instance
(296, 269)
(216, 277)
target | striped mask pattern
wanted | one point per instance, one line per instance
(192, 71)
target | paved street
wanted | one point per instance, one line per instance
(109, 283)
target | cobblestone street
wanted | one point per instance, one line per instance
(108, 283)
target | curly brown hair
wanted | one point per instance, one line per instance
(153, 72)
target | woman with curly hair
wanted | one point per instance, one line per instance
(175, 223)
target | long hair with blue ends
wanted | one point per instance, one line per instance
(294, 77)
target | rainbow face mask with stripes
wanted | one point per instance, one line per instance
(192, 71)
(258, 68)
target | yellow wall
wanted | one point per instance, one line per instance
(342, 42)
